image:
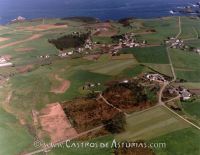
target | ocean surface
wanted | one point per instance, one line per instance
(102, 9)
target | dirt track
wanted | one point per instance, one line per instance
(3, 39)
(33, 37)
(64, 86)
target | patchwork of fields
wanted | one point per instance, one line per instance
(31, 81)
(151, 123)
(186, 65)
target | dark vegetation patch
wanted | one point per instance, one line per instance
(87, 113)
(131, 96)
(69, 41)
(81, 19)
(126, 22)
(116, 124)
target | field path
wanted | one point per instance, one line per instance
(62, 143)
(103, 98)
(195, 38)
(33, 37)
(180, 28)
(194, 125)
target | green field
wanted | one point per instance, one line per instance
(14, 138)
(134, 71)
(111, 67)
(186, 65)
(194, 43)
(189, 85)
(39, 83)
(165, 27)
(192, 108)
(151, 123)
(155, 55)
(32, 90)
(181, 142)
(161, 68)
(190, 28)
(102, 40)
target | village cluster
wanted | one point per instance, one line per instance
(183, 93)
(179, 44)
(128, 41)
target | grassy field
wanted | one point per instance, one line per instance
(165, 27)
(194, 43)
(189, 85)
(181, 142)
(134, 71)
(155, 55)
(190, 28)
(186, 65)
(111, 67)
(102, 40)
(14, 137)
(151, 123)
(31, 90)
(192, 108)
(161, 68)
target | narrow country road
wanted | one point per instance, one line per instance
(62, 143)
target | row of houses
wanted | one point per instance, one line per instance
(179, 44)
(89, 45)
(89, 85)
(184, 93)
(129, 41)
(175, 43)
(156, 77)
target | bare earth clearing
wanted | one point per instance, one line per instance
(42, 27)
(33, 37)
(25, 68)
(92, 57)
(64, 86)
(24, 49)
(4, 39)
(54, 121)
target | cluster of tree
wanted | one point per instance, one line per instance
(116, 124)
(126, 22)
(82, 19)
(70, 41)
(116, 38)
(138, 91)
